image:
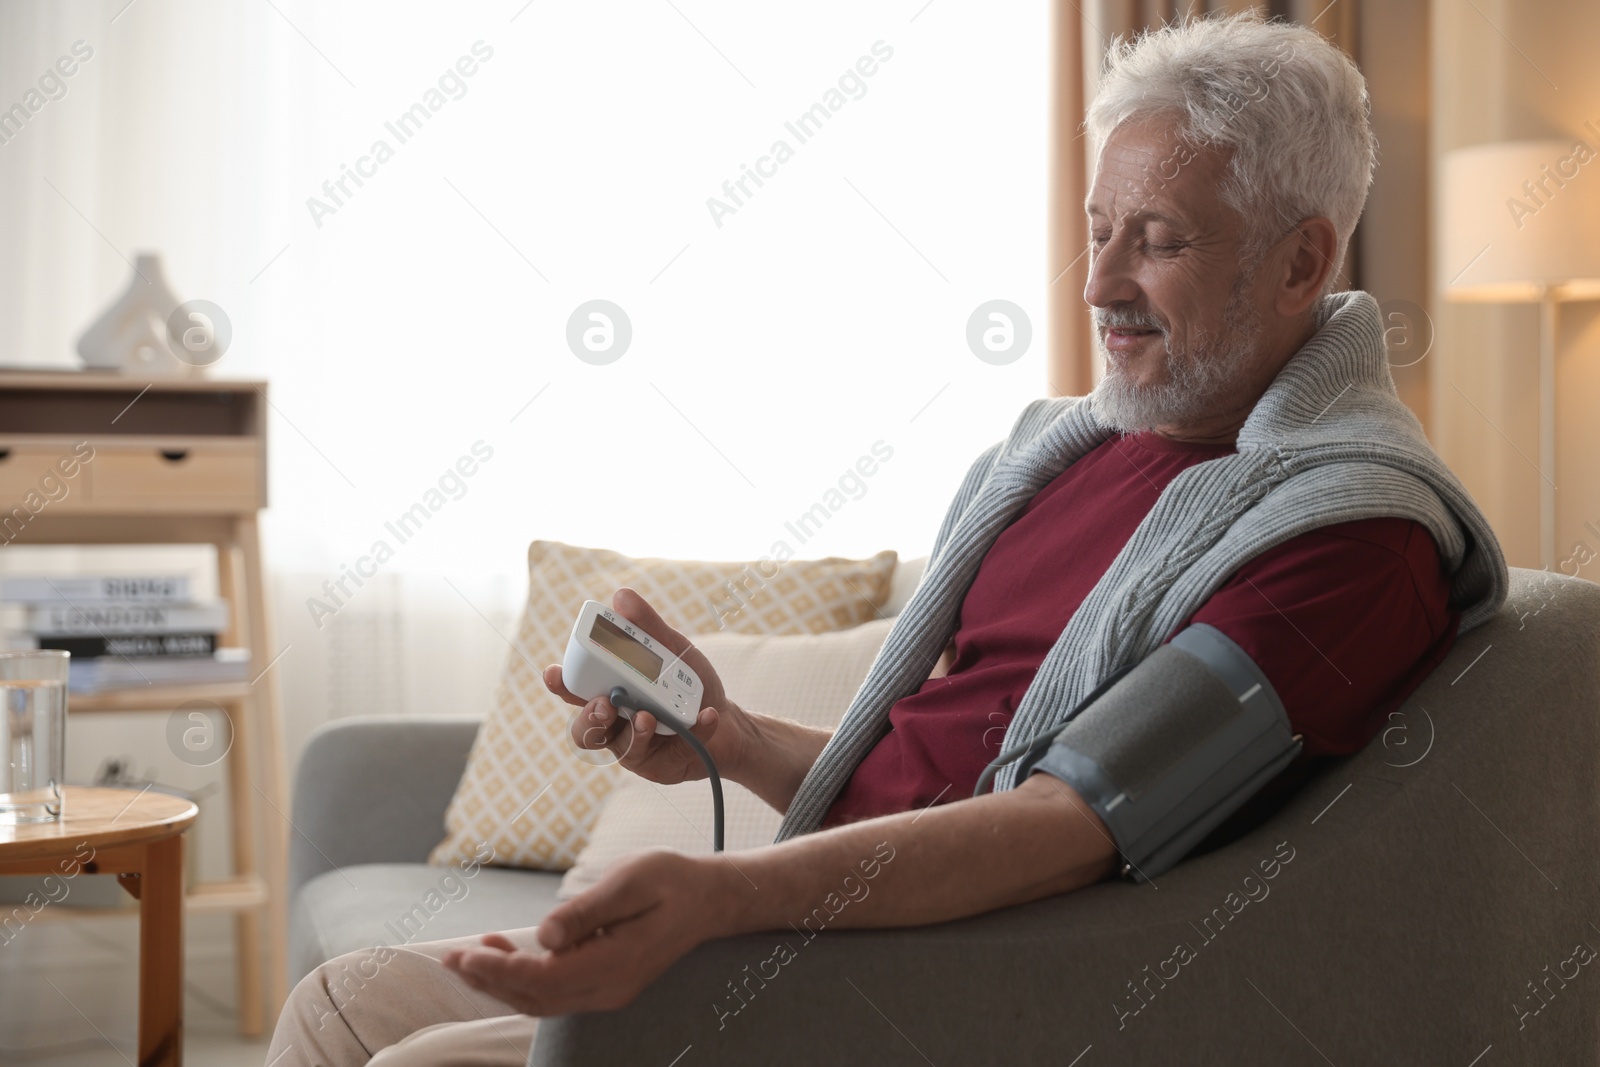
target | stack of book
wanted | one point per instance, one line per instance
(122, 631)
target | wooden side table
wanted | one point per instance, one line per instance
(138, 836)
(176, 461)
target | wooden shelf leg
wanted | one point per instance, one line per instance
(242, 805)
(274, 783)
(161, 954)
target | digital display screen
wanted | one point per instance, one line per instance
(611, 637)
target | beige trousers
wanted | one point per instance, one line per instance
(399, 1007)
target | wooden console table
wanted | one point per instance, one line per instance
(180, 461)
(137, 836)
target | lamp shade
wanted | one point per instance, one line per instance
(1517, 218)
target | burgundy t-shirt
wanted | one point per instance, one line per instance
(1345, 621)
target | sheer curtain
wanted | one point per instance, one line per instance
(789, 308)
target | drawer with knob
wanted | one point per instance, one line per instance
(176, 475)
(78, 443)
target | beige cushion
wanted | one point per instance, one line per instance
(907, 574)
(527, 790)
(810, 679)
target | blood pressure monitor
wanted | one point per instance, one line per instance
(606, 650)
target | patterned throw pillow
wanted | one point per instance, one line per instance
(527, 790)
(809, 679)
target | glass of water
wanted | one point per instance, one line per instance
(33, 734)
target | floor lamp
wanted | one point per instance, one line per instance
(1519, 222)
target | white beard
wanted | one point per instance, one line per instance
(1194, 378)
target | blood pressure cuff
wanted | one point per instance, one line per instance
(1173, 748)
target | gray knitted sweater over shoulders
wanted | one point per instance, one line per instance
(1328, 442)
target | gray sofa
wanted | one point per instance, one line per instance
(1431, 900)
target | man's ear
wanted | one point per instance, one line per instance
(1307, 265)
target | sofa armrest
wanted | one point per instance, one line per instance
(374, 790)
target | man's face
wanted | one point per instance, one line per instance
(1175, 310)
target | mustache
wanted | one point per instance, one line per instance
(1114, 318)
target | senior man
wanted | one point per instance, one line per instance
(1244, 464)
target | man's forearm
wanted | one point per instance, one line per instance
(774, 756)
(942, 863)
(960, 859)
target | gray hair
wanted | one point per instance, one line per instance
(1290, 105)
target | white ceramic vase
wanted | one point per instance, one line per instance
(131, 335)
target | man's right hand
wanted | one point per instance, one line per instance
(662, 758)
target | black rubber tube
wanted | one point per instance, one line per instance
(1046, 739)
(620, 699)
